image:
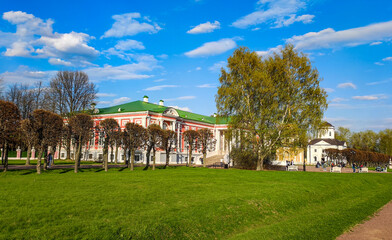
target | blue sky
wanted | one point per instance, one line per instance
(173, 50)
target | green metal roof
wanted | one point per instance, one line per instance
(140, 106)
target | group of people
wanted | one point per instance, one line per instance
(49, 159)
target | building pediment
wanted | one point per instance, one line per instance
(171, 112)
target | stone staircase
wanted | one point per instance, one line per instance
(213, 159)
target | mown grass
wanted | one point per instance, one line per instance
(57, 162)
(186, 203)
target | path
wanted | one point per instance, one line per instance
(378, 227)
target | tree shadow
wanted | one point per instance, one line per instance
(100, 170)
(122, 169)
(29, 172)
(65, 170)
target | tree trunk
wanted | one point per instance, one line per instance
(77, 158)
(116, 155)
(68, 147)
(106, 159)
(39, 161)
(260, 162)
(132, 159)
(153, 158)
(204, 159)
(148, 157)
(190, 157)
(6, 157)
(167, 158)
(28, 155)
(46, 160)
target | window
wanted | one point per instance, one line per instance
(100, 157)
(315, 150)
(137, 158)
(62, 155)
(330, 133)
(90, 156)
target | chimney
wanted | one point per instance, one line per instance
(145, 98)
(161, 102)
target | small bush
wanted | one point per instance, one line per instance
(244, 159)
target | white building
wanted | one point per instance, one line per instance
(325, 139)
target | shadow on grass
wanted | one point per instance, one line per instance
(122, 169)
(100, 170)
(29, 172)
(66, 170)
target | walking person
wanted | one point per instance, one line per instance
(353, 167)
(50, 159)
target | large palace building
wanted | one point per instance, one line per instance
(145, 113)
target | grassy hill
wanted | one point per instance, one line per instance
(186, 203)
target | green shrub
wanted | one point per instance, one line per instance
(244, 159)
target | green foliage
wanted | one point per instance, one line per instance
(274, 99)
(244, 158)
(187, 203)
(343, 134)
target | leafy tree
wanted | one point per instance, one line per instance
(81, 125)
(366, 140)
(343, 134)
(48, 127)
(109, 126)
(191, 137)
(385, 141)
(154, 133)
(206, 142)
(274, 98)
(136, 137)
(168, 142)
(9, 125)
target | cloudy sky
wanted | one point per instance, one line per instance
(173, 50)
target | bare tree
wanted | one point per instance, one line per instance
(81, 125)
(48, 127)
(154, 133)
(168, 142)
(71, 91)
(206, 142)
(109, 126)
(137, 137)
(29, 136)
(190, 137)
(9, 125)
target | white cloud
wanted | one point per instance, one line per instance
(130, 24)
(35, 38)
(198, 68)
(217, 66)
(212, 48)
(26, 75)
(129, 45)
(347, 85)
(120, 100)
(375, 43)
(379, 63)
(329, 90)
(106, 94)
(182, 108)
(277, 13)
(379, 82)
(161, 87)
(370, 97)
(329, 38)
(338, 99)
(387, 59)
(179, 98)
(207, 85)
(159, 80)
(58, 61)
(205, 28)
(122, 72)
(269, 52)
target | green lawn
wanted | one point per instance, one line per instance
(57, 162)
(186, 203)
